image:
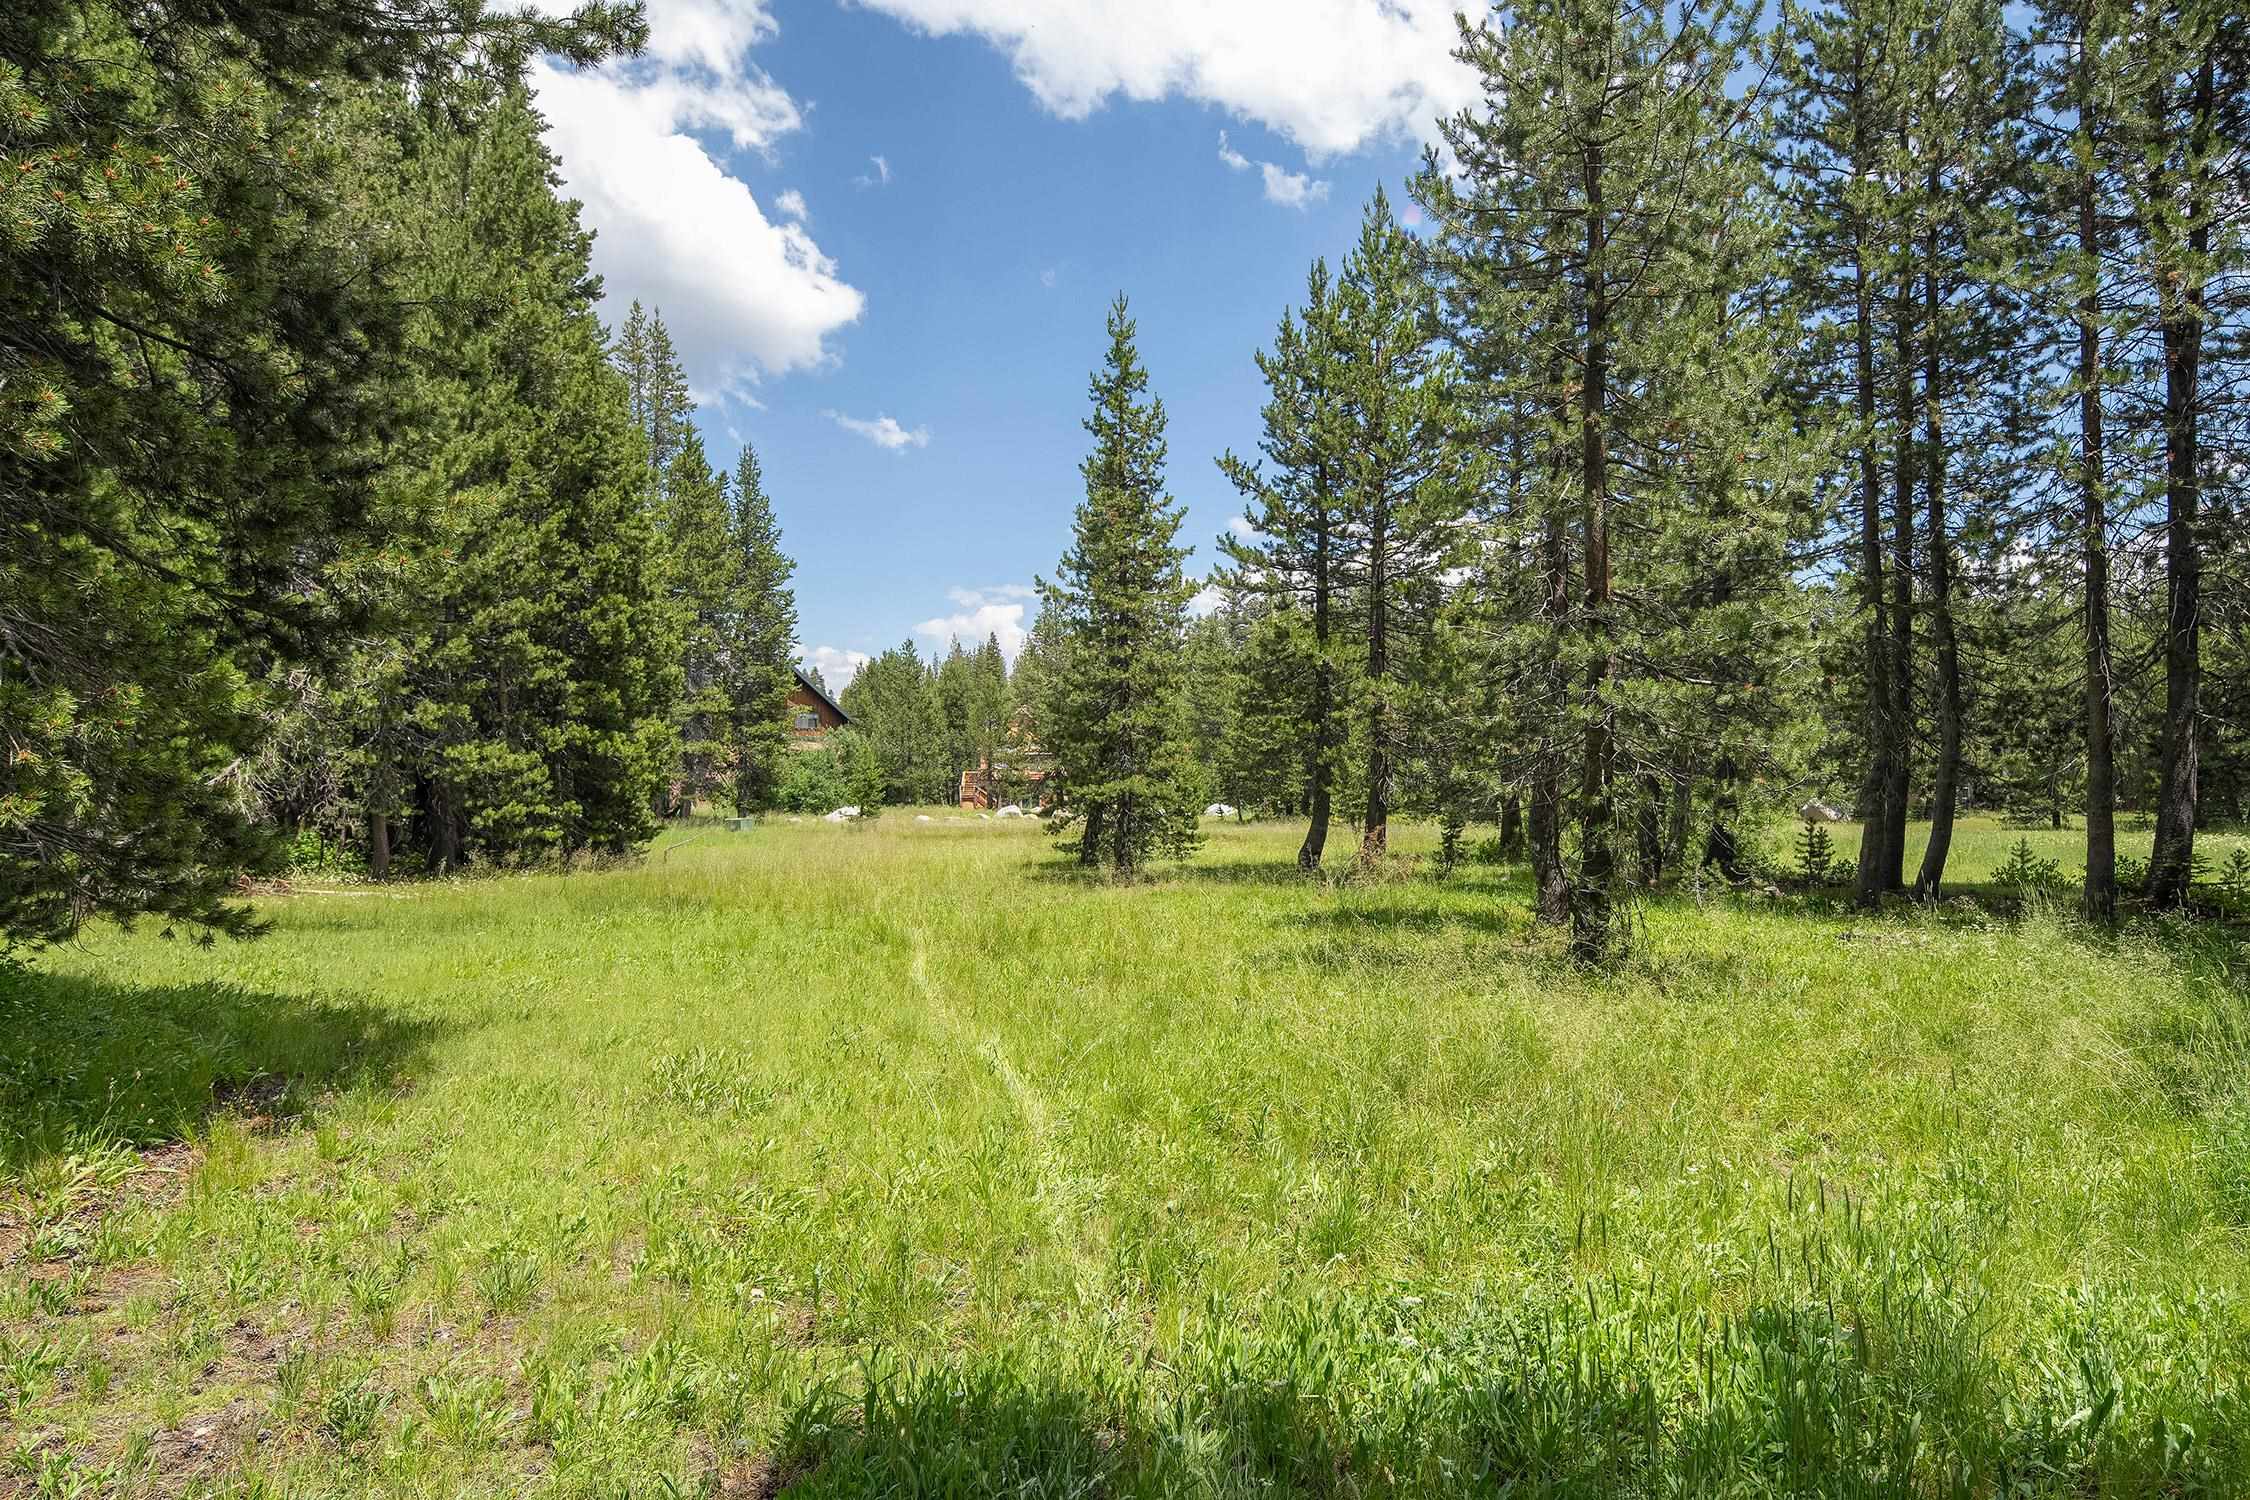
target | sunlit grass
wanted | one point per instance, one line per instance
(901, 1159)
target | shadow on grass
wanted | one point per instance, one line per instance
(1784, 1398)
(84, 1058)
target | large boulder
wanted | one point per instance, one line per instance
(1218, 810)
(1817, 811)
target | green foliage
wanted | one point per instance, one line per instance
(1816, 853)
(811, 782)
(894, 703)
(1111, 713)
(2024, 874)
(860, 770)
(204, 339)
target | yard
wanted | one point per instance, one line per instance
(900, 1159)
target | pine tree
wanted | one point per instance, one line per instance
(1671, 464)
(657, 394)
(203, 342)
(1407, 480)
(757, 660)
(1121, 599)
(894, 703)
(548, 668)
(704, 572)
(1297, 510)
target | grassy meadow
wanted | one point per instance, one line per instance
(902, 1160)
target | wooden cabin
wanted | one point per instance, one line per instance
(813, 715)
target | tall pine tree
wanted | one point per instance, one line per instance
(1115, 722)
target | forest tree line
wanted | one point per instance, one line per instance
(1844, 403)
(334, 517)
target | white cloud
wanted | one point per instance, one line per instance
(1243, 526)
(745, 296)
(792, 204)
(836, 667)
(1291, 189)
(995, 611)
(880, 177)
(883, 431)
(1207, 599)
(1330, 75)
(1287, 188)
(1047, 277)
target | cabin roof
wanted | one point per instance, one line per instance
(815, 689)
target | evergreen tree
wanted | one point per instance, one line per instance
(1672, 468)
(1407, 479)
(894, 703)
(705, 573)
(201, 344)
(546, 668)
(1297, 510)
(1121, 598)
(759, 642)
(657, 394)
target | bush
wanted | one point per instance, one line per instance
(2024, 874)
(811, 783)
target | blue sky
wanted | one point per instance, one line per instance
(885, 235)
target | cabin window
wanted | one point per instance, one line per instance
(808, 720)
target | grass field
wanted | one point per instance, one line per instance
(901, 1160)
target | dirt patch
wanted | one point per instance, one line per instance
(761, 1476)
(260, 1099)
(201, 1446)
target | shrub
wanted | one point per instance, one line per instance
(2024, 873)
(811, 783)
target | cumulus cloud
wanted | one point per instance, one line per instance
(746, 296)
(1207, 598)
(1242, 526)
(1291, 189)
(883, 432)
(792, 204)
(995, 611)
(1329, 75)
(835, 666)
(1287, 188)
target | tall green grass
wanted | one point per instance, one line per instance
(903, 1160)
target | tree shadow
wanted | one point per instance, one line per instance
(86, 1058)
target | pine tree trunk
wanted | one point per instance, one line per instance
(1324, 699)
(2100, 895)
(1945, 784)
(378, 844)
(1090, 838)
(1683, 815)
(1897, 789)
(1871, 880)
(2171, 864)
(1592, 935)
(1511, 827)
(1648, 828)
(1550, 882)
(1376, 832)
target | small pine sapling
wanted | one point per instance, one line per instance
(1816, 853)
